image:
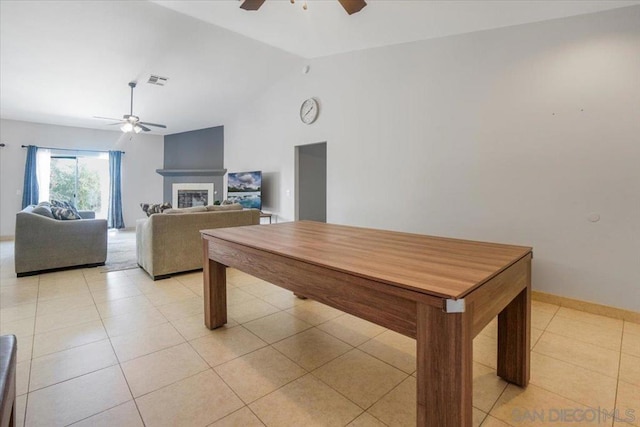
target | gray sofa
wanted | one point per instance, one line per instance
(168, 243)
(43, 243)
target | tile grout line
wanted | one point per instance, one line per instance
(496, 402)
(245, 405)
(573, 337)
(211, 368)
(29, 391)
(119, 365)
(568, 398)
(182, 379)
(574, 364)
(33, 338)
(486, 415)
(311, 372)
(570, 363)
(251, 352)
(307, 372)
(615, 399)
(555, 315)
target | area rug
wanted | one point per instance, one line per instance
(121, 251)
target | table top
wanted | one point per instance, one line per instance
(438, 266)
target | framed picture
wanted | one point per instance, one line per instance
(194, 194)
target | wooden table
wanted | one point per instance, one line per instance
(440, 291)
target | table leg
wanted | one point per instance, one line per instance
(445, 367)
(215, 290)
(514, 339)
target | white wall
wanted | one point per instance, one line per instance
(140, 183)
(513, 135)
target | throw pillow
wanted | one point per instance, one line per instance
(150, 208)
(43, 209)
(64, 213)
(65, 205)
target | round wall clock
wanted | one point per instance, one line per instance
(309, 111)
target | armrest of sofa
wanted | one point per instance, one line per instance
(144, 244)
(87, 214)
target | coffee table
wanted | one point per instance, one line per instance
(440, 291)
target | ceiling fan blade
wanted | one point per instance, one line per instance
(152, 124)
(353, 6)
(144, 128)
(116, 124)
(106, 118)
(251, 4)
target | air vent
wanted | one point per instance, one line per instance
(157, 80)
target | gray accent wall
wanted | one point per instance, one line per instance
(197, 150)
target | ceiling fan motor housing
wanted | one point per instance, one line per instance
(131, 118)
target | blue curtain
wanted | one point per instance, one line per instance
(114, 217)
(30, 190)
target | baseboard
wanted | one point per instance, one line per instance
(6, 238)
(589, 307)
(123, 229)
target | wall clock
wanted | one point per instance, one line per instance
(309, 111)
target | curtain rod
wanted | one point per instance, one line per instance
(70, 149)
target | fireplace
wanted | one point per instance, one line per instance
(189, 195)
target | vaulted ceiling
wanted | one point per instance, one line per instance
(62, 62)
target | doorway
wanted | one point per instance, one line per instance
(311, 182)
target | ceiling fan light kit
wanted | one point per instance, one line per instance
(130, 127)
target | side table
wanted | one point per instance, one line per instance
(267, 215)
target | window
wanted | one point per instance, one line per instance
(81, 180)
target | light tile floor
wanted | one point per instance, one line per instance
(117, 349)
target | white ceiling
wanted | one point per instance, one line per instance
(326, 29)
(63, 62)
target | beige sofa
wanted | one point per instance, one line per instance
(171, 243)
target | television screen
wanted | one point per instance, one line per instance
(245, 188)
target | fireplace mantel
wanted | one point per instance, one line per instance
(191, 172)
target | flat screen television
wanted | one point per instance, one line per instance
(245, 188)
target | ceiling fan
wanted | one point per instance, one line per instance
(351, 6)
(131, 123)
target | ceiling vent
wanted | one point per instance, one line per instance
(157, 80)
